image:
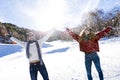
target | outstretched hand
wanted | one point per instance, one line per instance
(112, 28)
(67, 29)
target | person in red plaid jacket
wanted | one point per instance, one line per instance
(88, 43)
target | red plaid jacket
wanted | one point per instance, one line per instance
(90, 45)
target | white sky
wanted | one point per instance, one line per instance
(43, 15)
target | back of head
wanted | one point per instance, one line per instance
(87, 32)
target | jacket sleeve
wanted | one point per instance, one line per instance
(74, 35)
(103, 33)
(49, 33)
(21, 43)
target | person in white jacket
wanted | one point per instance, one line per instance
(33, 53)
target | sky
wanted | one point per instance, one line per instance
(43, 15)
(63, 61)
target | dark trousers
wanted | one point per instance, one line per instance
(89, 57)
(35, 67)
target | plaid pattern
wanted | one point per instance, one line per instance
(89, 44)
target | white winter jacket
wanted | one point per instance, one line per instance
(33, 49)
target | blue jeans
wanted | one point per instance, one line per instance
(35, 67)
(89, 57)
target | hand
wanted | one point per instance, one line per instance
(67, 29)
(112, 28)
(41, 62)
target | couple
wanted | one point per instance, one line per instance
(88, 43)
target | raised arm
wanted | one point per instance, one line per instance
(103, 32)
(49, 33)
(21, 43)
(74, 35)
(81, 33)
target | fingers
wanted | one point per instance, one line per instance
(67, 29)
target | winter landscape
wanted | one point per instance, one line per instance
(61, 55)
(63, 60)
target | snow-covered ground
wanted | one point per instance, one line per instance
(63, 60)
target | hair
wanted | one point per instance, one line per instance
(30, 33)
